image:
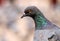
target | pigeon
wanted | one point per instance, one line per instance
(41, 22)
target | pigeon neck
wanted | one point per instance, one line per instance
(40, 20)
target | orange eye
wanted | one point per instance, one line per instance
(30, 11)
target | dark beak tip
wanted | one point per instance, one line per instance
(23, 16)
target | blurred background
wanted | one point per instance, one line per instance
(12, 10)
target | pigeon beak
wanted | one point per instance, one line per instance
(24, 15)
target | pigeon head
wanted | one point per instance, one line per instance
(31, 11)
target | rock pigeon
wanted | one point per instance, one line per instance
(41, 22)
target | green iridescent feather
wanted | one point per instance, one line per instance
(40, 20)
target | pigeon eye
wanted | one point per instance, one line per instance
(30, 11)
(26, 12)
